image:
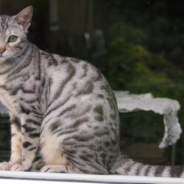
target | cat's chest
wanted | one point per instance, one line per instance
(8, 101)
(18, 92)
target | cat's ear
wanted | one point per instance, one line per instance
(24, 17)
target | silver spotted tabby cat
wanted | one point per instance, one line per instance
(64, 107)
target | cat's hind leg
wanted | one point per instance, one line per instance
(53, 155)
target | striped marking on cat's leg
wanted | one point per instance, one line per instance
(16, 141)
(30, 139)
(61, 169)
(16, 144)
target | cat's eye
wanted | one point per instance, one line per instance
(12, 38)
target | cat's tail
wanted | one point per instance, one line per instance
(127, 166)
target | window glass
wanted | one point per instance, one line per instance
(137, 45)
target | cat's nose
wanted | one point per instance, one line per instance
(2, 50)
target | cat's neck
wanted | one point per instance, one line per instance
(25, 54)
(18, 60)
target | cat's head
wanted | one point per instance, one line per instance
(13, 31)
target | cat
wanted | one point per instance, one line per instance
(63, 106)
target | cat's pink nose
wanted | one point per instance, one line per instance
(2, 50)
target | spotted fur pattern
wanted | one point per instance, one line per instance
(62, 105)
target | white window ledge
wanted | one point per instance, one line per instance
(9, 177)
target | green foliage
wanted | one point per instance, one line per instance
(132, 67)
(130, 34)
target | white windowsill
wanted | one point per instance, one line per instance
(9, 177)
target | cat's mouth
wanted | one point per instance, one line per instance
(1, 54)
(2, 58)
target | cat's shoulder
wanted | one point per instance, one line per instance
(55, 60)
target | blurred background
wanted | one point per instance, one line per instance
(138, 46)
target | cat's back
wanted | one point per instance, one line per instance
(71, 66)
(73, 85)
(74, 75)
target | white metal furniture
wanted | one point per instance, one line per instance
(164, 106)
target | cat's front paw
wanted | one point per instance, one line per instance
(5, 166)
(18, 167)
(38, 164)
(54, 169)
